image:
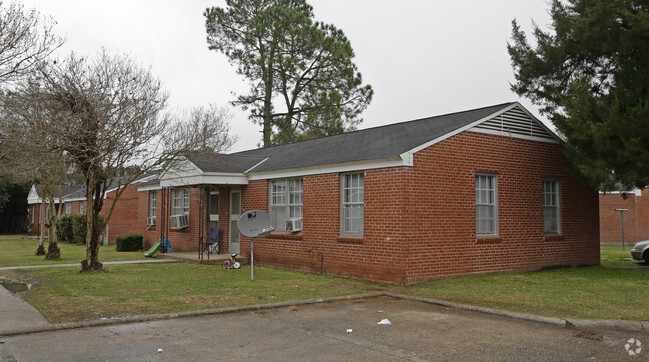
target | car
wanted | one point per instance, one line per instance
(640, 251)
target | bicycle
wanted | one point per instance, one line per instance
(232, 263)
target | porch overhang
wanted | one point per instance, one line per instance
(206, 179)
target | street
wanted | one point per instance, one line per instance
(417, 331)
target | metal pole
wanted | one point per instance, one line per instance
(622, 215)
(252, 259)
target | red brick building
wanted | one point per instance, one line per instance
(123, 221)
(482, 191)
(636, 219)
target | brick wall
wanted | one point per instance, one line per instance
(124, 219)
(420, 221)
(183, 240)
(636, 220)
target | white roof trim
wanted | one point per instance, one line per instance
(206, 179)
(636, 192)
(253, 167)
(32, 197)
(152, 187)
(332, 168)
(144, 179)
(498, 133)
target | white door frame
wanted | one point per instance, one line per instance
(234, 237)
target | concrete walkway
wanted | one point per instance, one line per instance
(78, 264)
(16, 313)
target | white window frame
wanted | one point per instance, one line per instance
(352, 197)
(286, 194)
(551, 205)
(180, 201)
(153, 202)
(68, 207)
(486, 198)
(81, 207)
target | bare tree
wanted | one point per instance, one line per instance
(28, 154)
(26, 38)
(106, 113)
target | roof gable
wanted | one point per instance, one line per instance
(516, 122)
(385, 142)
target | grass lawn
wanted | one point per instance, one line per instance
(611, 291)
(17, 251)
(64, 295)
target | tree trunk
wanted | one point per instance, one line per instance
(53, 251)
(95, 203)
(41, 240)
(268, 99)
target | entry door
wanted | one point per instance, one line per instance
(235, 213)
(214, 210)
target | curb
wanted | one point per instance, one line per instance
(632, 326)
(472, 308)
(164, 316)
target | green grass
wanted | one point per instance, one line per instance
(613, 255)
(63, 295)
(615, 290)
(590, 292)
(18, 251)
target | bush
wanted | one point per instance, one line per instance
(65, 228)
(131, 242)
(79, 227)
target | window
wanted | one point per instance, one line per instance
(180, 201)
(81, 207)
(153, 202)
(551, 220)
(352, 205)
(285, 202)
(486, 201)
(68, 208)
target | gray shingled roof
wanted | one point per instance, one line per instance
(79, 190)
(367, 144)
(212, 162)
(66, 190)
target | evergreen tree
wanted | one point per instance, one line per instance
(303, 82)
(590, 76)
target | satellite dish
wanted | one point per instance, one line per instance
(254, 223)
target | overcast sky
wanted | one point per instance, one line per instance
(422, 57)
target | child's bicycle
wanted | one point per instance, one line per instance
(232, 263)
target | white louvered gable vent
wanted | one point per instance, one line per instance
(515, 123)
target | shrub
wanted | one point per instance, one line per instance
(131, 242)
(79, 228)
(65, 228)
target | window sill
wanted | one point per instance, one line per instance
(350, 239)
(488, 239)
(557, 237)
(178, 229)
(285, 236)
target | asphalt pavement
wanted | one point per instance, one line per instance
(341, 330)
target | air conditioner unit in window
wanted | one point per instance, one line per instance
(179, 221)
(150, 221)
(293, 225)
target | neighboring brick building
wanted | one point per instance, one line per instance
(636, 220)
(123, 221)
(475, 192)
